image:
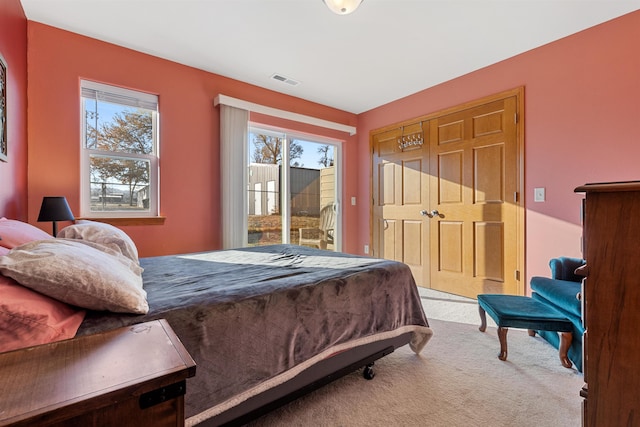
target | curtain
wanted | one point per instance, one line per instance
(233, 175)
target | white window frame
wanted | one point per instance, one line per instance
(128, 97)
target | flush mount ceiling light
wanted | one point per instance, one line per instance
(342, 7)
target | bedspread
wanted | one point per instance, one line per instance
(254, 316)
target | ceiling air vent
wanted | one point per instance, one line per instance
(284, 79)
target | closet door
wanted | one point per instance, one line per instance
(447, 196)
(474, 189)
(400, 194)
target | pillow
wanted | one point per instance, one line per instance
(29, 318)
(15, 233)
(80, 273)
(104, 234)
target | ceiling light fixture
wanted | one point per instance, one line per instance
(342, 7)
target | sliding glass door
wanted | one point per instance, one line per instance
(293, 190)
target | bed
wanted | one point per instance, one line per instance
(267, 324)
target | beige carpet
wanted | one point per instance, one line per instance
(456, 381)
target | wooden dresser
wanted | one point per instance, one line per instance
(133, 376)
(611, 304)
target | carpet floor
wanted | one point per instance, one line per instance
(457, 380)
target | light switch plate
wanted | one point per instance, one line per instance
(538, 194)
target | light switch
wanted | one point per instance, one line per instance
(353, 201)
(538, 194)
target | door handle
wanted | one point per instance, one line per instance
(431, 214)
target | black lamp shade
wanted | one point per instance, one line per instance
(55, 209)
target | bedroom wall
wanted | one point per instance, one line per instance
(581, 103)
(189, 136)
(582, 106)
(13, 48)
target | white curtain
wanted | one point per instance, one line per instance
(233, 175)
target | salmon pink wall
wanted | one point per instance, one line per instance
(189, 132)
(582, 107)
(13, 48)
(582, 98)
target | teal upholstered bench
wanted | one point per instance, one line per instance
(514, 311)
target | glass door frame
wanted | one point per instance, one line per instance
(285, 184)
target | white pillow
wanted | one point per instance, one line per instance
(80, 273)
(104, 234)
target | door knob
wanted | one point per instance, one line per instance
(423, 212)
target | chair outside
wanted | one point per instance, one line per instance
(321, 237)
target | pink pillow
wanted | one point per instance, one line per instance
(29, 318)
(15, 233)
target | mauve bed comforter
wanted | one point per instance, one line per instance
(253, 317)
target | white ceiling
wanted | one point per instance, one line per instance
(385, 50)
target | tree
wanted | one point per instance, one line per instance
(326, 158)
(268, 149)
(127, 132)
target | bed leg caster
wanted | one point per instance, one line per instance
(368, 373)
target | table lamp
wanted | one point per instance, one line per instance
(55, 209)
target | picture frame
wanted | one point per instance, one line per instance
(3, 109)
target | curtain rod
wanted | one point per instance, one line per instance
(283, 114)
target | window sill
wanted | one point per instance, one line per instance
(152, 220)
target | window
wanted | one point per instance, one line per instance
(119, 160)
(293, 189)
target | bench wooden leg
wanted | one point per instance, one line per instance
(565, 343)
(483, 319)
(502, 335)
